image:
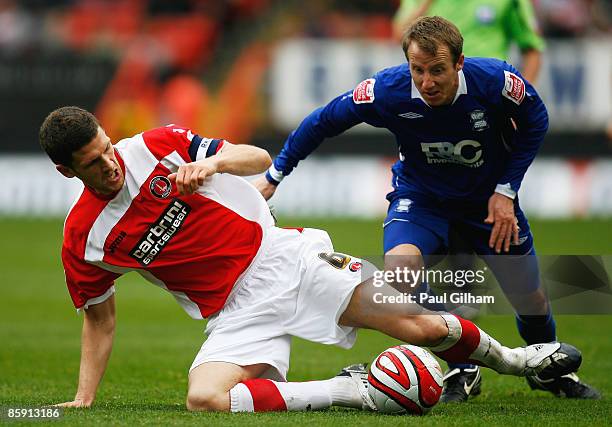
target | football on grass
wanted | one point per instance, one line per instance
(405, 379)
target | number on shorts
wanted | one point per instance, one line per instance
(335, 259)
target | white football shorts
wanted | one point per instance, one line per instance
(289, 290)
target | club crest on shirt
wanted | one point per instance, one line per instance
(514, 88)
(364, 92)
(160, 187)
(479, 120)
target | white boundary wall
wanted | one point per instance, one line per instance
(575, 80)
(333, 186)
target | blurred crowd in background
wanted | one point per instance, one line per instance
(202, 63)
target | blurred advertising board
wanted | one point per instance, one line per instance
(575, 80)
(332, 186)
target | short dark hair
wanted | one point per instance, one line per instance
(66, 130)
(428, 32)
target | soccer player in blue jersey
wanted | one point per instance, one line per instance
(467, 130)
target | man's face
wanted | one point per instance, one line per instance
(435, 76)
(96, 165)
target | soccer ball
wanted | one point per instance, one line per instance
(405, 379)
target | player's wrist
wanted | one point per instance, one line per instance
(505, 190)
(274, 176)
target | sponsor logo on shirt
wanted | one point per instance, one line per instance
(479, 120)
(160, 187)
(364, 92)
(160, 232)
(514, 88)
(410, 115)
(466, 153)
(116, 242)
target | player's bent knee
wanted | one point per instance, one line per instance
(429, 330)
(207, 400)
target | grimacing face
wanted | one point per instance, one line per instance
(435, 76)
(96, 165)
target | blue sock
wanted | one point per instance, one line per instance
(537, 329)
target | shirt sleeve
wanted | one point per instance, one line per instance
(521, 103)
(181, 138)
(87, 283)
(523, 26)
(342, 113)
(201, 148)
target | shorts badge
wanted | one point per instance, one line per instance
(355, 266)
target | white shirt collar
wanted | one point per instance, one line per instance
(461, 90)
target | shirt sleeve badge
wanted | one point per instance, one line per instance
(514, 88)
(364, 92)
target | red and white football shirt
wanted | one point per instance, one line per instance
(195, 246)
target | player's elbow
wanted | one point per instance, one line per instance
(263, 158)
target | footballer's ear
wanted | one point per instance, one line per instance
(66, 171)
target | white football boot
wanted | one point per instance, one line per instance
(551, 360)
(358, 374)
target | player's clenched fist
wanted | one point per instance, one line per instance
(192, 175)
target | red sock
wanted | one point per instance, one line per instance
(265, 395)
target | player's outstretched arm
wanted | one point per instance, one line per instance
(241, 160)
(96, 345)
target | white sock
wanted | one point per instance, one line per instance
(467, 343)
(509, 361)
(306, 396)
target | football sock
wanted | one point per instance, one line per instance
(468, 343)
(260, 395)
(537, 329)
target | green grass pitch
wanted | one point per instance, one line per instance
(155, 343)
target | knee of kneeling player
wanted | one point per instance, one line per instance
(207, 400)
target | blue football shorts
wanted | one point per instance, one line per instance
(428, 223)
